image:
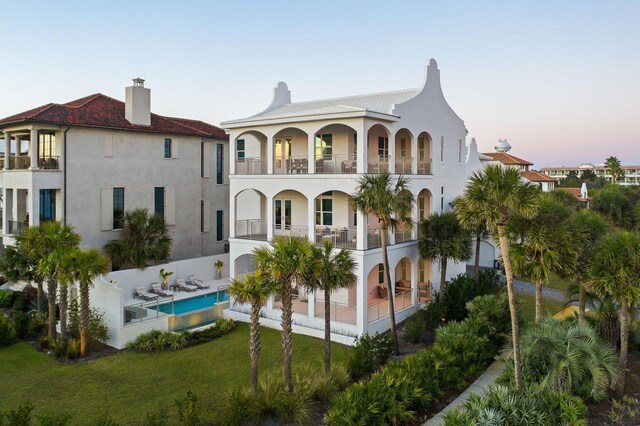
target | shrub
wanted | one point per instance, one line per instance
(434, 313)
(7, 331)
(156, 341)
(468, 341)
(369, 353)
(464, 288)
(156, 419)
(502, 405)
(414, 327)
(20, 416)
(624, 410)
(493, 312)
(226, 326)
(25, 299)
(6, 298)
(73, 349)
(58, 419)
(98, 330)
(566, 356)
(188, 409)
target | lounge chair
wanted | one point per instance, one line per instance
(181, 285)
(144, 294)
(157, 289)
(191, 279)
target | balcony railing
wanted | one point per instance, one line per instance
(290, 231)
(24, 163)
(251, 229)
(424, 292)
(402, 235)
(294, 165)
(403, 165)
(338, 163)
(15, 226)
(249, 166)
(402, 299)
(424, 167)
(339, 312)
(49, 163)
(19, 163)
(378, 164)
(340, 237)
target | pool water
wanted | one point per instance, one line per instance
(193, 304)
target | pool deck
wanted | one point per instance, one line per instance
(180, 295)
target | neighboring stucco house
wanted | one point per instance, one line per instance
(295, 167)
(631, 173)
(87, 161)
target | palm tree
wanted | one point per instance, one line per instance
(591, 226)
(145, 238)
(16, 265)
(614, 272)
(47, 244)
(333, 271)
(392, 203)
(499, 193)
(442, 237)
(87, 265)
(288, 261)
(543, 250)
(613, 165)
(254, 289)
(474, 222)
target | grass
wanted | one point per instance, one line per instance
(129, 384)
(527, 306)
(554, 282)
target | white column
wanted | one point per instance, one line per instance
(7, 149)
(311, 153)
(270, 219)
(311, 301)
(363, 143)
(270, 145)
(361, 232)
(415, 217)
(414, 282)
(232, 216)
(33, 149)
(18, 141)
(414, 155)
(361, 298)
(392, 154)
(232, 155)
(34, 207)
(5, 212)
(311, 218)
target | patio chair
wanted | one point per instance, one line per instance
(144, 294)
(157, 289)
(191, 279)
(181, 285)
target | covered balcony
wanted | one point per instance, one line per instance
(378, 296)
(290, 216)
(251, 215)
(251, 153)
(30, 150)
(336, 150)
(424, 154)
(335, 220)
(290, 155)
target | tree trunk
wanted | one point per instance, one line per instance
(327, 331)
(387, 278)
(254, 344)
(515, 328)
(51, 290)
(40, 297)
(582, 301)
(84, 317)
(64, 300)
(476, 266)
(538, 300)
(624, 343)
(286, 335)
(443, 279)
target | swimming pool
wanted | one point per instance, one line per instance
(184, 306)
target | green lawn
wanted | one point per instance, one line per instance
(130, 384)
(555, 282)
(527, 305)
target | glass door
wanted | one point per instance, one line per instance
(282, 214)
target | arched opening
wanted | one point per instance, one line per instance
(290, 214)
(335, 219)
(290, 152)
(404, 160)
(378, 149)
(377, 294)
(404, 284)
(424, 280)
(423, 204)
(404, 231)
(251, 153)
(251, 215)
(336, 149)
(244, 265)
(424, 153)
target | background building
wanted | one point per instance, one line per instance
(631, 173)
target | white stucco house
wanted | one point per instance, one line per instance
(87, 161)
(295, 166)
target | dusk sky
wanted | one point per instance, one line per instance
(560, 80)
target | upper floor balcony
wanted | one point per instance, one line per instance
(30, 149)
(334, 149)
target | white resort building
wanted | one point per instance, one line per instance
(295, 166)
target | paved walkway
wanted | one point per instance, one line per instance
(478, 387)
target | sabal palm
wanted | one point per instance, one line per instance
(254, 289)
(287, 261)
(392, 203)
(613, 165)
(333, 271)
(86, 266)
(615, 272)
(48, 244)
(543, 249)
(442, 237)
(473, 221)
(499, 193)
(16, 265)
(590, 226)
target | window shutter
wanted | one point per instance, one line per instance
(206, 161)
(108, 145)
(170, 206)
(206, 217)
(106, 209)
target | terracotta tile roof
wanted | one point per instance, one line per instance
(103, 111)
(535, 176)
(507, 159)
(574, 191)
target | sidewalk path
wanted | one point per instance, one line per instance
(479, 387)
